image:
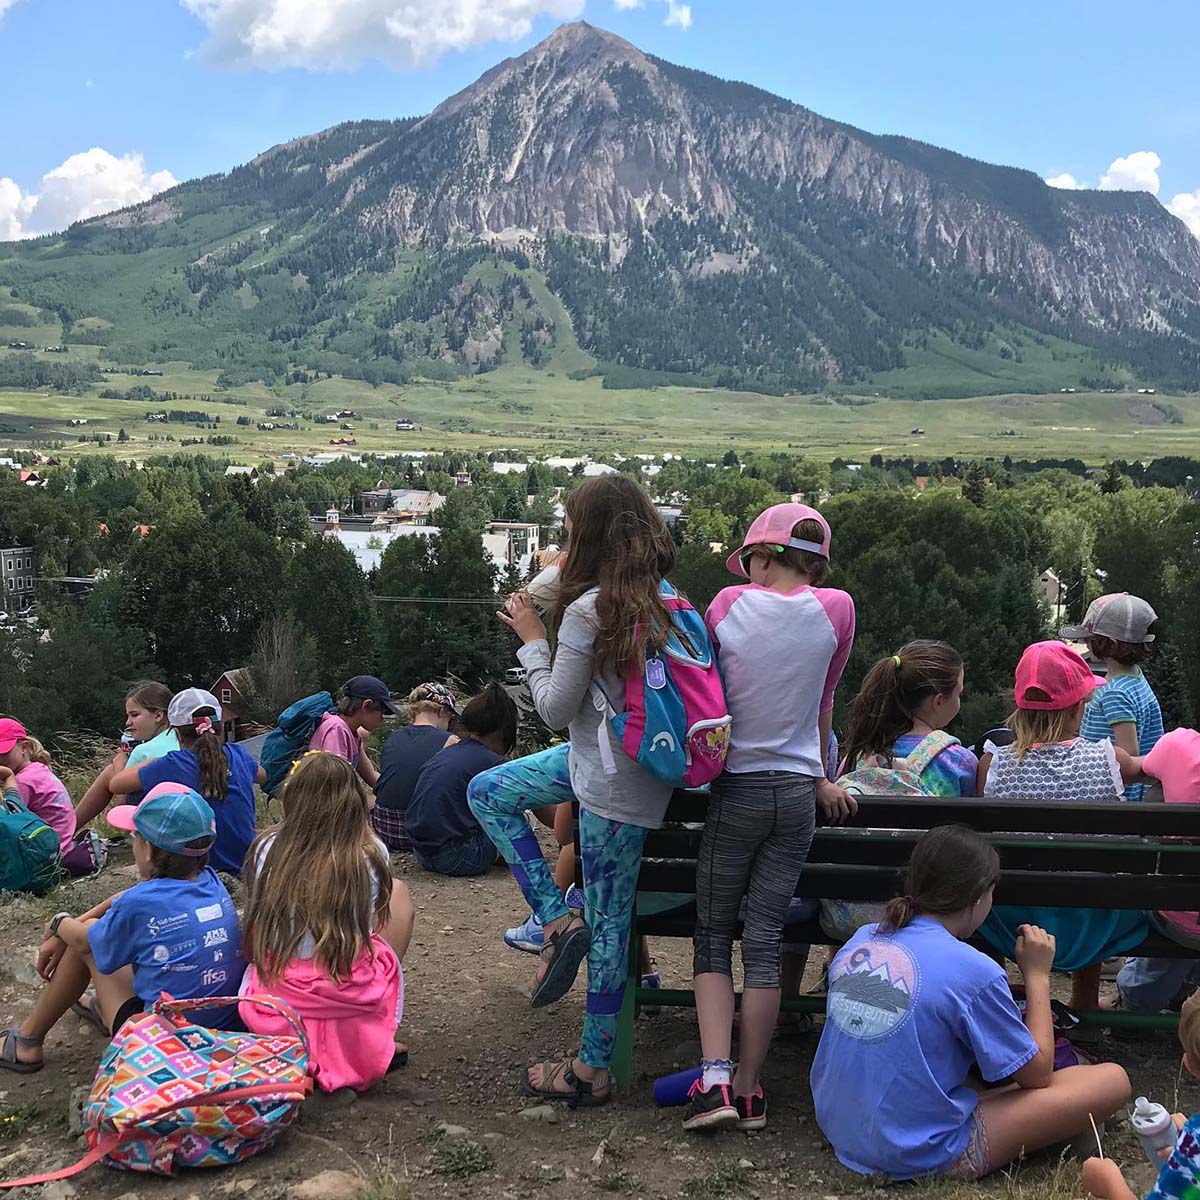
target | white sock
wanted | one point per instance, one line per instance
(716, 1071)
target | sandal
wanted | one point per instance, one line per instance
(399, 1058)
(8, 1052)
(88, 1011)
(564, 952)
(582, 1094)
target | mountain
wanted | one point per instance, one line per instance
(588, 207)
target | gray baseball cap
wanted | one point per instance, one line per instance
(1119, 616)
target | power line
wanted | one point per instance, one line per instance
(494, 601)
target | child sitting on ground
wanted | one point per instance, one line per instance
(41, 791)
(1117, 631)
(1179, 1178)
(362, 704)
(1048, 761)
(327, 926)
(176, 931)
(914, 1013)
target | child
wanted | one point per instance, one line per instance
(362, 704)
(446, 838)
(224, 774)
(607, 614)
(1117, 631)
(176, 931)
(430, 709)
(146, 705)
(326, 925)
(1049, 761)
(1155, 984)
(41, 791)
(914, 1011)
(783, 641)
(905, 699)
(1179, 1178)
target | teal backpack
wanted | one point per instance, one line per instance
(290, 737)
(29, 849)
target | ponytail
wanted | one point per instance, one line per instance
(36, 751)
(894, 688)
(950, 869)
(203, 738)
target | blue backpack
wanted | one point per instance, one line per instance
(676, 723)
(290, 737)
(29, 849)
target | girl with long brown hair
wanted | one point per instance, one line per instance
(607, 615)
(326, 926)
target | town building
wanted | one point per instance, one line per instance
(18, 573)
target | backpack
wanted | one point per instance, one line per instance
(29, 849)
(676, 723)
(88, 854)
(842, 919)
(171, 1094)
(290, 737)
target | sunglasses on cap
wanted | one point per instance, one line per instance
(775, 548)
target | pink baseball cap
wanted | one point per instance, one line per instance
(11, 732)
(774, 528)
(1175, 763)
(1058, 672)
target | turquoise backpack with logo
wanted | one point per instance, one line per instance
(29, 849)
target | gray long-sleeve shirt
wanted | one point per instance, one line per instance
(563, 696)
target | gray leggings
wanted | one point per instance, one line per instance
(756, 837)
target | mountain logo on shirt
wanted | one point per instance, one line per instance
(871, 988)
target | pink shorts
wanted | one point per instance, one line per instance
(972, 1164)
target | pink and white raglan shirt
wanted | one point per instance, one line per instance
(781, 656)
(43, 793)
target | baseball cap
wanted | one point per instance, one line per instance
(1056, 671)
(367, 687)
(1119, 616)
(774, 527)
(1175, 763)
(11, 732)
(170, 817)
(434, 693)
(184, 705)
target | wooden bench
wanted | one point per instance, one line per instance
(1064, 855)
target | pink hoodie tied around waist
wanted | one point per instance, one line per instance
(351, 1025)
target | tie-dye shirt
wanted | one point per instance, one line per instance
(954, 772)
(1179, 1178)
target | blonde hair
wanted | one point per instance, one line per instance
(317, 873)
(1189, 1028)
(1042, 727)
(36, 751)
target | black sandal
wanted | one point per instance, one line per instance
(8, 1052)
(88, 1011)
(564, 952)
(582, 1094)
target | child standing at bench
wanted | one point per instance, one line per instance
(914, 1012)
(1117, 631)
(1048, 761)
(783, 641)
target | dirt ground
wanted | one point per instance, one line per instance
(471, 1032)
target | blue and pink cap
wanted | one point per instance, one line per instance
(172, 817)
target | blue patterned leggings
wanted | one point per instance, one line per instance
(611, 853)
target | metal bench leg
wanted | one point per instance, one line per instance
(622, 1063)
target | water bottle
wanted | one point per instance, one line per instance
(672, 1090)
(1155, 1129)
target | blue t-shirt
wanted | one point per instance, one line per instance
(404, 754)
(1122, 699)
(181, 936)
(438, 812)
(235, 814)
(908, 1016)
(1179, 1178)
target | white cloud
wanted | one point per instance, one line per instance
(5, 5)
(86, 185)
(679, 15)
(1067, 182)
(325, 34)
(621, 5)
(1136, 172)
(1186, 206)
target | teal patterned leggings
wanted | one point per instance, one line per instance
(611, 854)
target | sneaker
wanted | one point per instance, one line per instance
(575, 899)
(752, 1112)
(711, 1109)
(527, 937)
(653, 980)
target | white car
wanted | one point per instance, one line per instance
(515, 675)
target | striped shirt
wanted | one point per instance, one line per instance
(1124, 699)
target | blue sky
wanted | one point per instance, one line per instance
(1063, 87)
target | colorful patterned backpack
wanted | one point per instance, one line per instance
(171, 1094)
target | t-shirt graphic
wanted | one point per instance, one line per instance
(871, 989)
(1179, 1178)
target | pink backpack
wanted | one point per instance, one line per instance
(171, 1094)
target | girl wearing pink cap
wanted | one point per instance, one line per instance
(1049, 761)
(783, 641)
(41, 791)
